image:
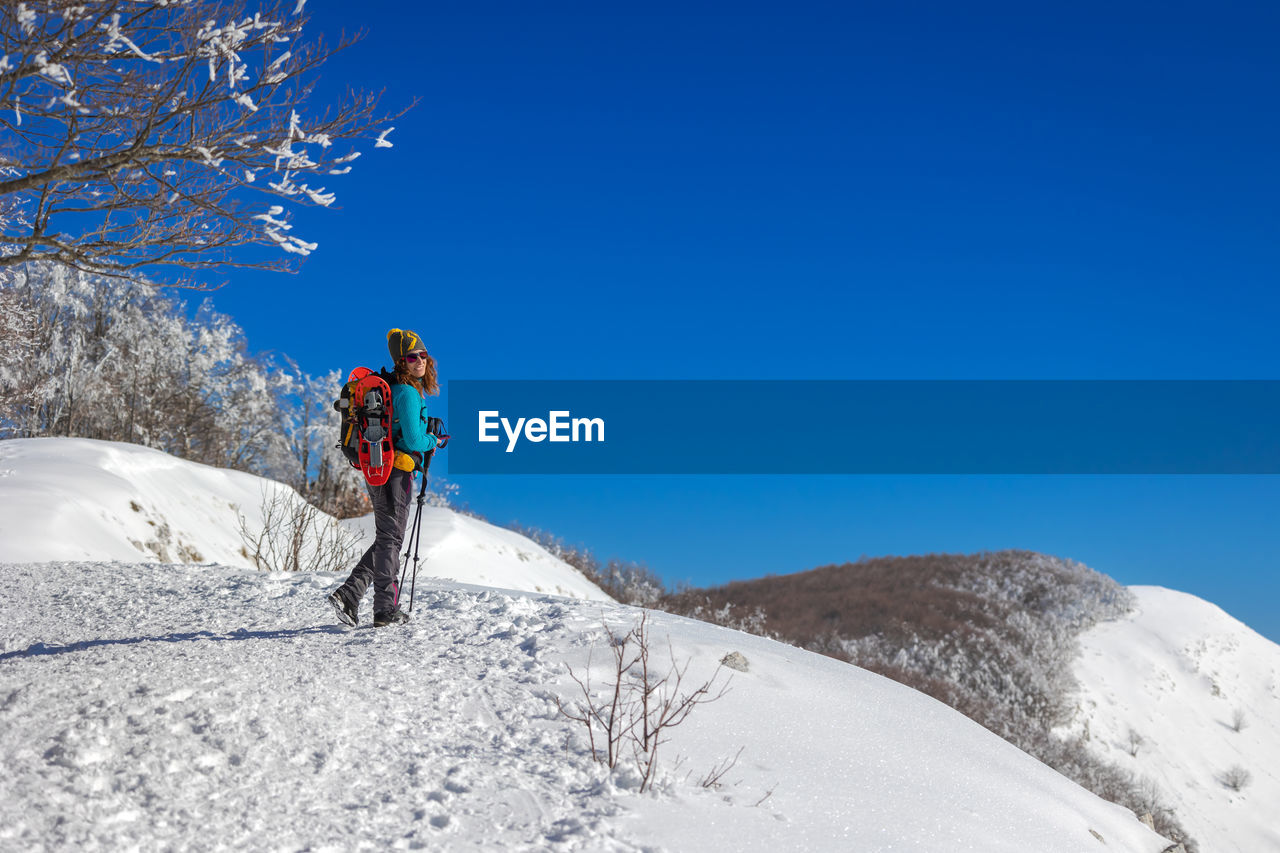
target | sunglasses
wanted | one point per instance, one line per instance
(414, 357)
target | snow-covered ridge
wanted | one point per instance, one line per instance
(1162, 690)
(80, 499)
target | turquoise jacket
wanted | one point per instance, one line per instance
(409, 427)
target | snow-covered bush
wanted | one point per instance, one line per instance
(625, 582)
(730, 615)
(631, 583)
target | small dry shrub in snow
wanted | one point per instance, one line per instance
(296, 536)
(1239, 722)
(633, 714)
(1135, 742)
(716, 774)
(1235, 778)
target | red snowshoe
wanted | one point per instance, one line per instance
(371, 407)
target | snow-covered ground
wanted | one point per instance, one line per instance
(198, 707)
(76, 499)
(79, 499)
(148, 705)
(1175, 673)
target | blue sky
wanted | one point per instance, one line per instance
(819, 191)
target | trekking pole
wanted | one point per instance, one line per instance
(436, 427)
(415, 537)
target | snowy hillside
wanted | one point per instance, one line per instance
(197, 707)
(171, 705)
(458, 547)
(78, 499)
(1177, 673)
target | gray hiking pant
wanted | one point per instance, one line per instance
(380, 565)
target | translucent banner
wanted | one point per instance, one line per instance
(864, 427)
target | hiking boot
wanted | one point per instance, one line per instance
(382, 620)
(347, 611)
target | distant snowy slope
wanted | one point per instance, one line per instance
(79, 499)
(1176, 672)
(146, 706)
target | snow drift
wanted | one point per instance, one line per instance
(79, 499)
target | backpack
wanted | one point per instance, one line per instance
(364, 407)
(366, 417)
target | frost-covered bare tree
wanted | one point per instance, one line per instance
(17, 332)
(99, 356)
(144, 132)
(308, 426)
(113, 359)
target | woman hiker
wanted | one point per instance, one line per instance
(415, 379)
